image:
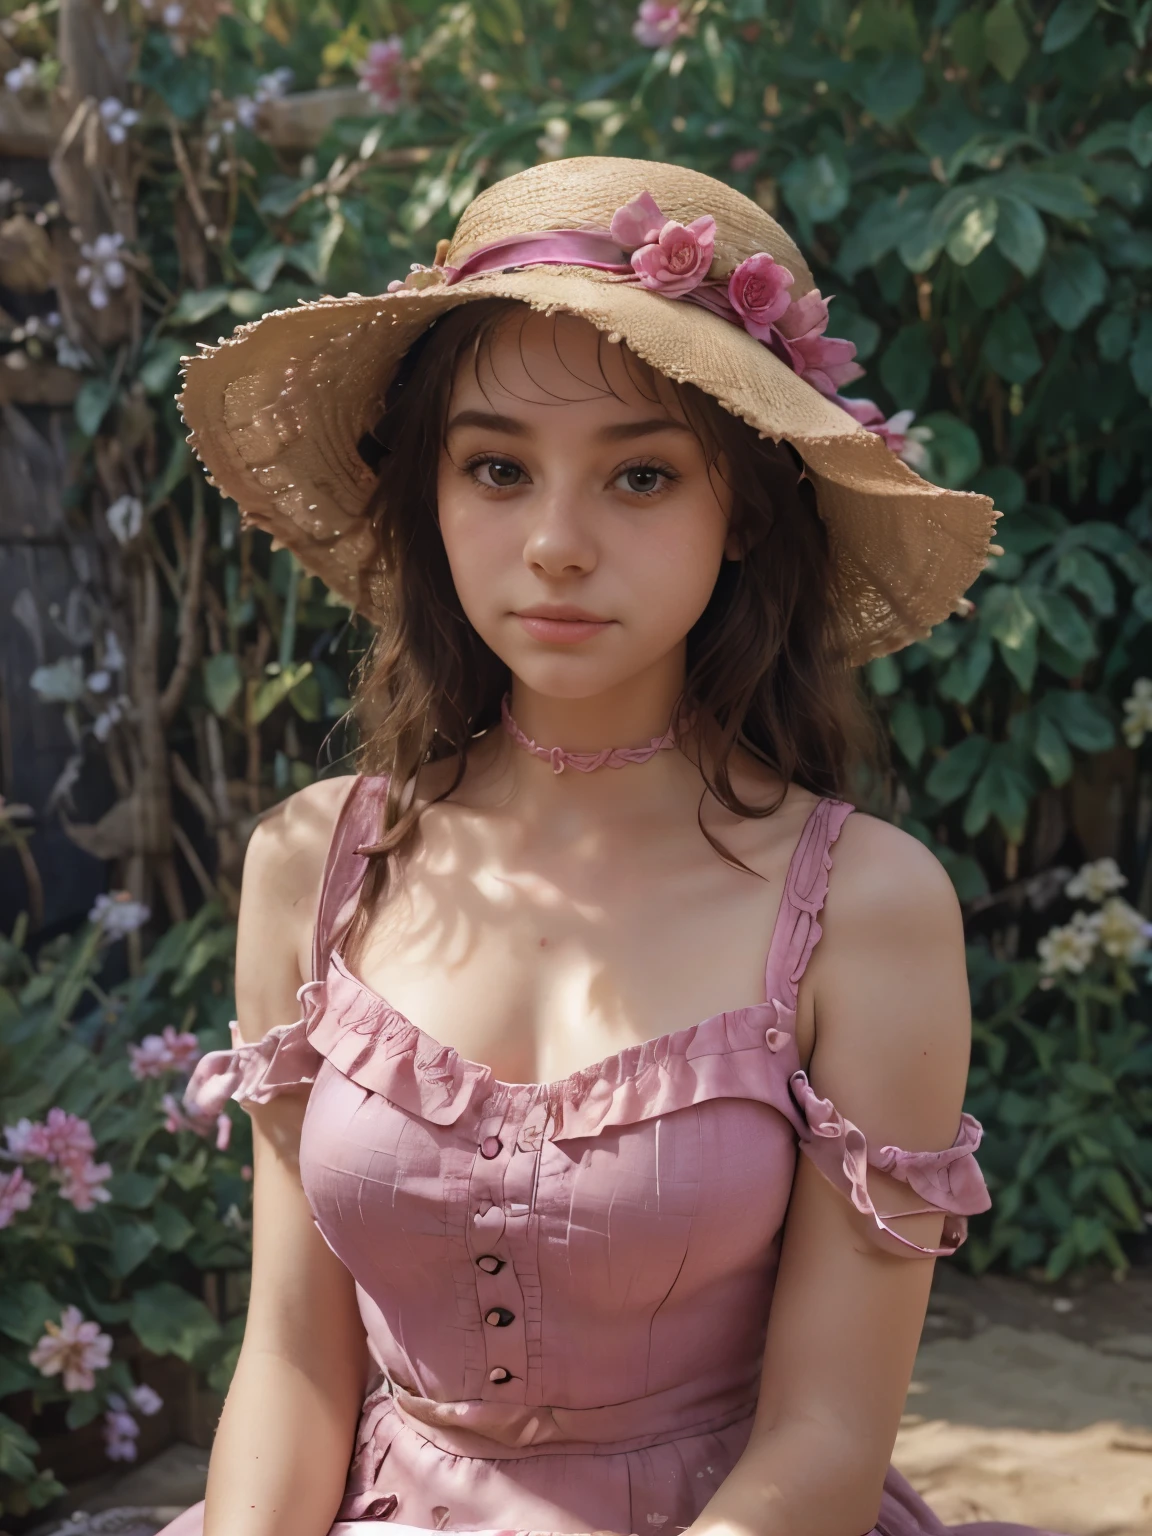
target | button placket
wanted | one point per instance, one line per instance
(496, 1242)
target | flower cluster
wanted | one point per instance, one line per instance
(657, 25)
(101, 269)
(269, 87)
(383, 74)
(1138, 712)
(25, 76)
(1116, 930)
(65, 1142)
(178, 1119)
(117, 118)
(121, 1429)
(118, 915)
(157, 1055)
(73, 1349)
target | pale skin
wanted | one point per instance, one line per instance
(543, 922)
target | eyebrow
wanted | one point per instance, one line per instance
(491, 421)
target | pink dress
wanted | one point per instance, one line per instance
(565, 1286)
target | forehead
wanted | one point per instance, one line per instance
(534, 360)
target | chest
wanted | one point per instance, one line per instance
(539, 965)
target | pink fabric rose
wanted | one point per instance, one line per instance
(678, 261)
(825, 362)
(758, 290)
(656, 24)
(638, 222)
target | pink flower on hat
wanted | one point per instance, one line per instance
(893, 431)
(674, 259)
(758, 292)
(657, 24)
(825, 362)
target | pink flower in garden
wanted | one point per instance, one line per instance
(83, 1184)
(200, 1125)
(74, 1348)
(16, 1193)
(70, 1139)
(382, 74)
(758, 292)
(27, 1139)
(743, 160)
(145, 1400)
(825, 362)
(166, 1052)
(121, 1430)
(678, 259)
(657, 24)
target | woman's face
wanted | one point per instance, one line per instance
(583, 524)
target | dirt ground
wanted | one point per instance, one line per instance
(1025, 1406)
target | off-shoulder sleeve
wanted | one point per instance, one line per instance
(253, 1072)
(949, 1181)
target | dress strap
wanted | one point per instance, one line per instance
(797, 929)
(344, 870)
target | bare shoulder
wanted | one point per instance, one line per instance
(283, 867)
(885, 884)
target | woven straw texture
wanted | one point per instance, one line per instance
(276, 411)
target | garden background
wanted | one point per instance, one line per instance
(971, 182)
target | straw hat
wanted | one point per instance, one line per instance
(276, 412)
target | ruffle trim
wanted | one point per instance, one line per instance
(253, 1072)
(948, 1181)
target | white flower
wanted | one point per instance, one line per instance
(1092, 882)
(553, 142)
(25, 77)
(101, 269)
(117, 118)
(1070, 948)
(125, 518)
(106, 719)
(99, 681)
(113, 655)
(173, 14)
(73, 1348)
(1122, 932)
(1138, 712)
(70, 356)
(118, 914)
(272, 86)
(145, 1400)
(61, 683)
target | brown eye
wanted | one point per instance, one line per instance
(501, 473)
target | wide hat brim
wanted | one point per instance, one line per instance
(277, 411)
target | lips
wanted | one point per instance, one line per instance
(562, 624)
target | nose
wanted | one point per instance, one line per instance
(559, 540)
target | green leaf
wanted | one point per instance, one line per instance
(1060, 618)
(1012, 624)
(222, 682)
(953, 448)
(82, 1409)
(951, 776)
(196, 305)
(1140, 360)
(817, 188)
(907, 365)
(965, 873)
(17, 1448)
(182, 80)
(1005, 39)
(172, 1227)
(1050, 191)
(1114, 335)
(1010, 348)
(1089, 1079)
(134, 1191)
(158, 370)
(1118, 1192)
(1001, 791)
(1074, 284)
(93, 399)
(1140, 136)
(276, 688)
(1066, 23)
(965, 676)
(966, 42)
(1051, 751)
(893, 87)
(1082, 718)
(168, 1321)
(24, 1309)
(975, 230)
(307, 699)
(1005, 486)
(1079, 568)
(131, 1245)
(262, 266)
(907, 730)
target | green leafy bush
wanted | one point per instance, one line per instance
(113, 1203)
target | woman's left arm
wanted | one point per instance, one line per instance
(886, 994)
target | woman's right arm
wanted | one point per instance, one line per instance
(285, 1437)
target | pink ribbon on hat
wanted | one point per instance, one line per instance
(643, 247)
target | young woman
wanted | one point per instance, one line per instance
(536, 1248)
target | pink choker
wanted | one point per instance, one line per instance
(585, 762)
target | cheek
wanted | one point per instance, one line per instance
(672, 567)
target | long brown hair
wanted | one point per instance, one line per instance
(762, 670)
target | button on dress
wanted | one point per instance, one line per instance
(566, 1286)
